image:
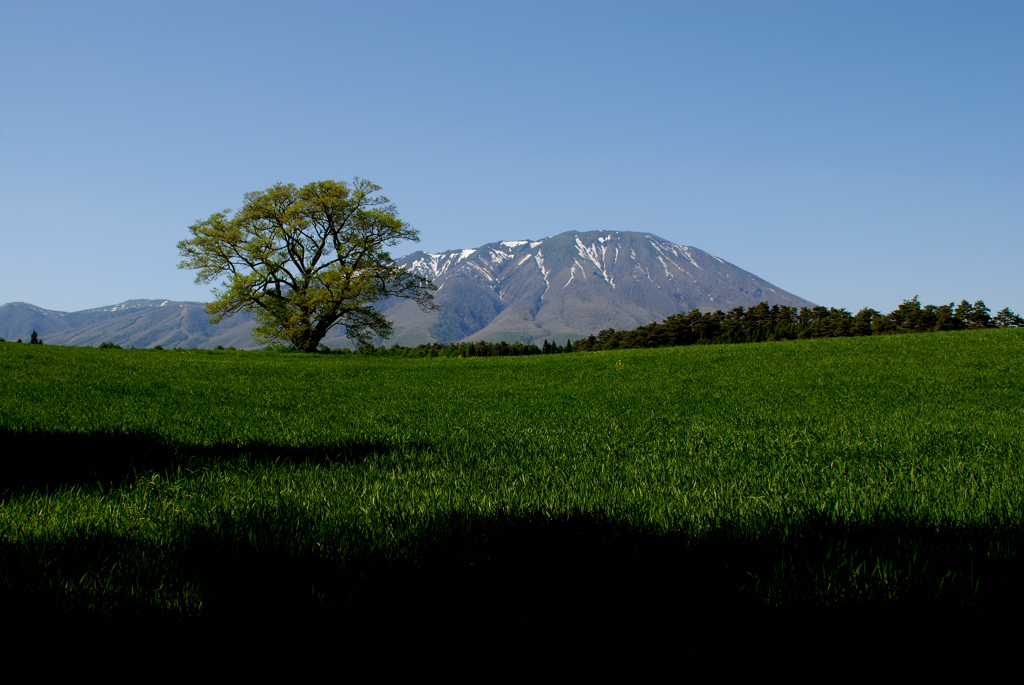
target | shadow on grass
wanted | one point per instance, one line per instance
(48, 459)
(468, 580)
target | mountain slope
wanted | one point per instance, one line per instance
(567, 286)
(573, 284)
(135, 323)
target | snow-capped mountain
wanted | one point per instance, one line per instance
(567, 286)
(571, 285)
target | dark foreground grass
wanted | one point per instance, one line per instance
(699, 496)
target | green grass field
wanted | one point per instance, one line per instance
(836, 475)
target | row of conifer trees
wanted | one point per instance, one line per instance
(759, 323)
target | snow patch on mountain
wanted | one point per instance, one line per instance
(596, 256)
(664, 266)
(539, 257)
(686, 253)
(499, 257)
(572, 275)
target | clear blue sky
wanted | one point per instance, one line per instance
(854, 153)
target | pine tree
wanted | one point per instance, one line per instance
(1005, 318)
(964, 312)
(980, 317)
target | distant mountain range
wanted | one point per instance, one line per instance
(567, 286)
(135, 323)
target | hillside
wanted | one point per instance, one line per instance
(570, 286)
(567, 286)
(135, 323)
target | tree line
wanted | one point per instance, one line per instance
(759, 323)
(766, 323)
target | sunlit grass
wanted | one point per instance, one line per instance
(822, 472)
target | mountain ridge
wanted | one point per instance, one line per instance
(573, 284)
(133, 323)
(570, 285)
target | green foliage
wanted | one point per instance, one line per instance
(304, 260)
(973, 316)
(763, 323)
(816, 473)
(108, 346)
(760, 323)
(1005, 318)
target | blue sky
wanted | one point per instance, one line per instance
(853, 153)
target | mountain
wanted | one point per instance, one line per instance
(567, 286)
(135, 323)
(570, 286)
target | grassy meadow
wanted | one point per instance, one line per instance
(626, 487)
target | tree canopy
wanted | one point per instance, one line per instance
(304, 260)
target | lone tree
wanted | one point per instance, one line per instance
(304, 260)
